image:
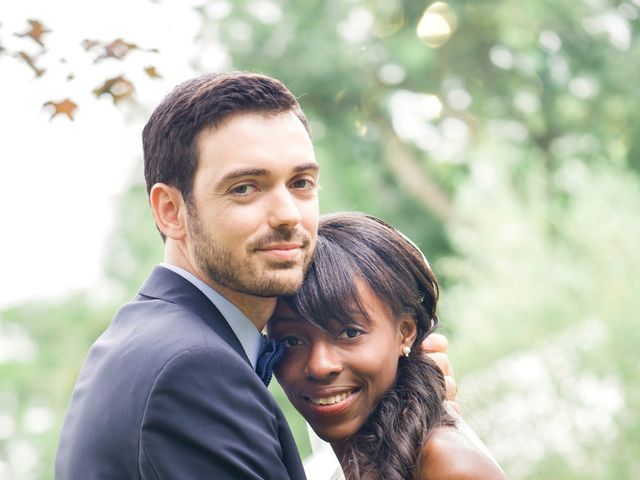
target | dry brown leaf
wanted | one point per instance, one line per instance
(36, 31)
(152, 72)
(117, 49)
(31, 61)
(89, 44)
(66, 107)
(118, 87)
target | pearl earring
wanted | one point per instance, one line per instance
(406, 350)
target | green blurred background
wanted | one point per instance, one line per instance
(504, 138)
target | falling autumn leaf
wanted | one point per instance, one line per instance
(36, 31)
(117, 49)
(66, 107)
(118, 87)
(152, 72)
(89, 44)
(31, 61)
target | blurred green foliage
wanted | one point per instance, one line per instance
(510, 153)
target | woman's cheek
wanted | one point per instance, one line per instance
(291, 365)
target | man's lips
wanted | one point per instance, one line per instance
(281, 246)
(283, 251)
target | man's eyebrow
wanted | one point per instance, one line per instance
(261, 172)
(307, 166)
(244, 172)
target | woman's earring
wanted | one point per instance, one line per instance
(406, 350)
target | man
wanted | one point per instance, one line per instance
(169, 391)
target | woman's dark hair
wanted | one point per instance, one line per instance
(169, 138)
(356, 245)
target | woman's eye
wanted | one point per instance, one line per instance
(290, 341)
(351, 332)
(243, 189)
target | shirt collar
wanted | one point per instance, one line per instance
(248, 335)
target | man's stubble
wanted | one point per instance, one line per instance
(244, 274)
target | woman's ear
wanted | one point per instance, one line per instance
(168, 210)
(408, 332)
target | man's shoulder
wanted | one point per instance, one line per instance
(159, 348)
(162, 330)
(146, 337)
(159, 311)
(141, 319)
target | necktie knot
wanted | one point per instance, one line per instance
(271, 353)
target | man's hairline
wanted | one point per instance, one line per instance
(267, 113)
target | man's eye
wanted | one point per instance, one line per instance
(350, 332)
(290, 341)
(243, 189)
(303, 183)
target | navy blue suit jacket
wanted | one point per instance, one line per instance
(167, 392)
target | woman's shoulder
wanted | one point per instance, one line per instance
(449, 455)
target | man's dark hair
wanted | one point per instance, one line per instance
(169, 138)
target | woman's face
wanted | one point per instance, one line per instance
(335, 378)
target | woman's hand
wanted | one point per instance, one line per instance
(435, 346)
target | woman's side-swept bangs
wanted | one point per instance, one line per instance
(329, 293)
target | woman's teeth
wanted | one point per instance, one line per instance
(331, 400)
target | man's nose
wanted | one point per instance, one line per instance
(323, 361)
(284, 211)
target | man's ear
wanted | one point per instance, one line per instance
(408, 331)
(169, 210)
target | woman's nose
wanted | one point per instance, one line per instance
(323, 361)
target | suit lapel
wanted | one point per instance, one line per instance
(290, 454)
(166, 285)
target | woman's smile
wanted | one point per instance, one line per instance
(331, 404)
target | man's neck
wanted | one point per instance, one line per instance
(257, 309)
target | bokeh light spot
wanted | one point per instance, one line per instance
(501, 57)
(437, 24)
(391, 73)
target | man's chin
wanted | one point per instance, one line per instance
(276, 290)
(278, 285)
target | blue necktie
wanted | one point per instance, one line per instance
(271, 353)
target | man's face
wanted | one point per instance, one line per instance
(253, 215)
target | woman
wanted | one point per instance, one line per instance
(353, 367)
